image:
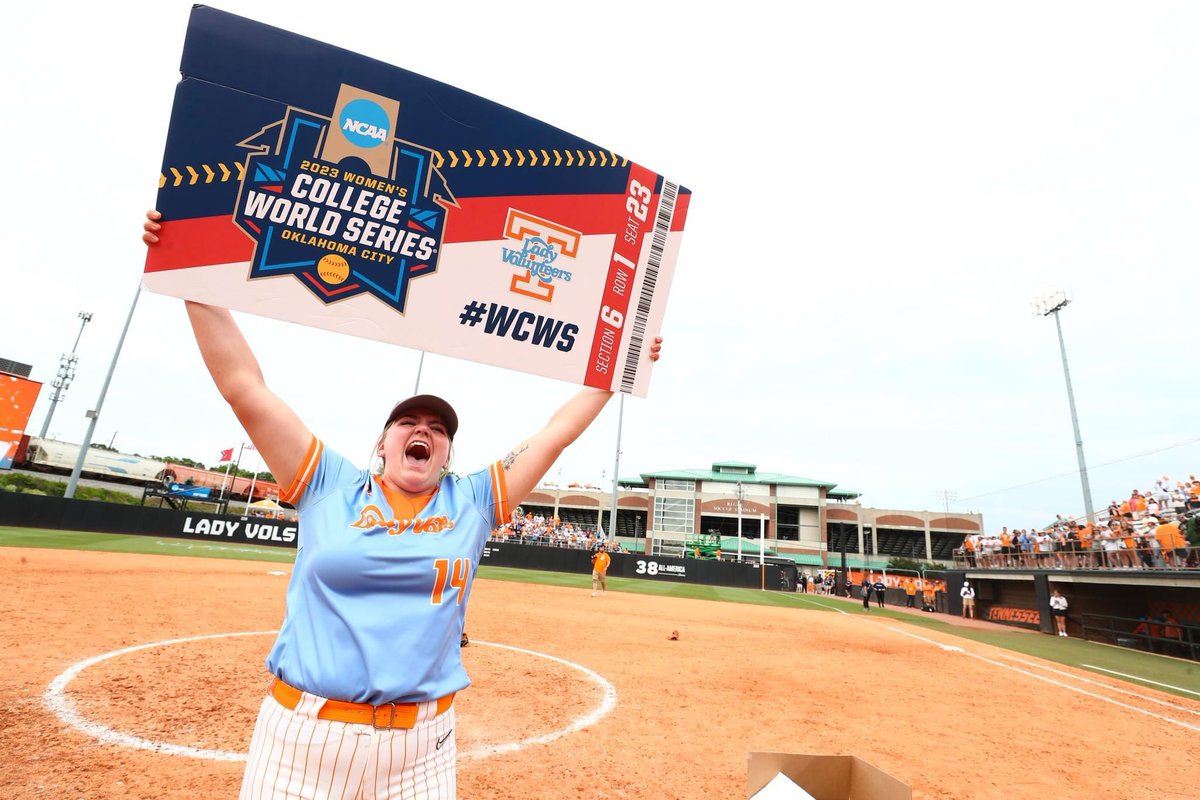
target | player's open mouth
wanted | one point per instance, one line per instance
(418, 452)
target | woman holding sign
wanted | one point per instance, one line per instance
(367, 661)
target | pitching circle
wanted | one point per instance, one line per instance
(63, 707)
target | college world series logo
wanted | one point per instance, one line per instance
(341, 203)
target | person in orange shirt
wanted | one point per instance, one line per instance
(969, 550)
(1084, 534)
(910, 592)
(1137, 504)
(1126, 509)
(1006, 549)
(929, 597)
(1173, 542)
(1128, 551)
(1172, 633)
(600, 561)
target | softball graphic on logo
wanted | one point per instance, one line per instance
(333, 269)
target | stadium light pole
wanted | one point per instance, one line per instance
(947, 496)
(94, 414)
(1051, 303)
(66, 371)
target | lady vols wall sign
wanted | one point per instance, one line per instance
(413, 213)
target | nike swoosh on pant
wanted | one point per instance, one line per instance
(441, 741)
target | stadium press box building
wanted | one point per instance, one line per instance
(809, 521)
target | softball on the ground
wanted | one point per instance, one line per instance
(333, 269)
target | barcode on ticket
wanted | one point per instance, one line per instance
(658, 241)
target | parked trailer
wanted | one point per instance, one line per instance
(234, 486)
(50, 455)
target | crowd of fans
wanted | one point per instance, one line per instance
(533, 528)
(1146, 531)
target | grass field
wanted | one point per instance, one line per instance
(1173, 675)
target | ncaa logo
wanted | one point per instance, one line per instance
(364, 123)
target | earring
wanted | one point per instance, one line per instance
(380, 463)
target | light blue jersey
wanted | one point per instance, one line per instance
(376, 603)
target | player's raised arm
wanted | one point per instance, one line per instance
(281, 438)
(525, 465)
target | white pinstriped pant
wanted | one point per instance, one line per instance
(293, 754)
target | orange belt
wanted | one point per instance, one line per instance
(388, 715)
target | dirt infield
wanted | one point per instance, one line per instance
(965, 722)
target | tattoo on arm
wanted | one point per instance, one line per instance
(508, 460)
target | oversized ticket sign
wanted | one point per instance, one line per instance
(308, 183)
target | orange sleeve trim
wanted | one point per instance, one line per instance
(500, 494)
(307, 467)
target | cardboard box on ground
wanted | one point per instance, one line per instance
(822, 777)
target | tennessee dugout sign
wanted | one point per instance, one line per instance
(324, 188)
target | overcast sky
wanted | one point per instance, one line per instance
(880, 191)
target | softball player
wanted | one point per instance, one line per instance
(600, 561)
(368, 661)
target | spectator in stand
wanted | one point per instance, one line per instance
(1026, 540)
(1162, 492)
(1172, 542)
(1128, 550)
(1058, 540)
(1153, 508)
(969, 550)
(1153, 545)
(1083, 535)
(1073, 546)
(1044, 548)
(1137, 505)
(1179, 498)
(1112, 544)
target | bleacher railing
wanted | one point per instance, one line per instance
(1140, 558)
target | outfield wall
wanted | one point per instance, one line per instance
(636, 565)
(35, 511)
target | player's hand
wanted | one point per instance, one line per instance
(151, 227)
(655, 348)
